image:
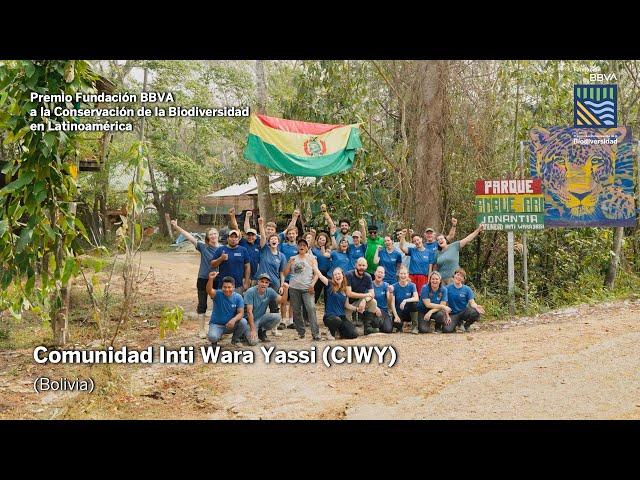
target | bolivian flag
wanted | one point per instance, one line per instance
(301, 148)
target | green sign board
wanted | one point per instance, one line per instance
(510, 204)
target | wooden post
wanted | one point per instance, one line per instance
(525, 251)
(525, 270)
(511, 274)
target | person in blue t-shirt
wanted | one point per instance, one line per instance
(429, 237)
(207, 250)
(382, 294)
(289, 248)
(322, 252)
(250, 241)
(433, 305)
(272, 262)
(256, 300)
(337, 304)
(340, 257)
(419, 265)
(357, 250)
(337, 235)
(389, 258)
(405, 300)
(464, 309)
(228, 311)
(232, 260)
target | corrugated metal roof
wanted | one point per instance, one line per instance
(276, 185)
(237, 189)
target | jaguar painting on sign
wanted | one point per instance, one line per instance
(588, 175)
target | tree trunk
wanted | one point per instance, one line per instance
(427, 139)
(610, 280)
(104, 187)
(265, 204)
(614, 261)
(60, 316)
(165, 231)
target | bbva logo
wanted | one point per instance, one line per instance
(602, 77)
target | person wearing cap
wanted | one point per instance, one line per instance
(429, 237)
(207, 249)
(250, 240)
(256, 301)
(232, 260)
(359, 247)
(373, 242)
(303, 268)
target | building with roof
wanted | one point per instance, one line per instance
(242, 197)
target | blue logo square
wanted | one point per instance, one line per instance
(595, 106)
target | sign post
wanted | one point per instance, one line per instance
(525, 251)
(510, 266)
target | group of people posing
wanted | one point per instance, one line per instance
(375, 282)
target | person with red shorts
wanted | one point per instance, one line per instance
(420, 260)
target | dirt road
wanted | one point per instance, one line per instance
(579, 363)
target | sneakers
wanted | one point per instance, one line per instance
(461, 328)
(281, 326)
(330, 337)
(262, 335)
(276, 333)
(291, 326)
(204, 325)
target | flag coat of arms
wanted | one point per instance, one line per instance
(301, 148)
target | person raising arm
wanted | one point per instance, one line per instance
(207, 251)
(228, 312)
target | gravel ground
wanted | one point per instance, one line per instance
(576, 363)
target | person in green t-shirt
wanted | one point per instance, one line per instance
(372, 245)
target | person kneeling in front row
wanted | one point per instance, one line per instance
(228, 309)
(256, 300)
(335, 318)
(433, 307)
(464, 309)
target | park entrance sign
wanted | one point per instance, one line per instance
(510, 204)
